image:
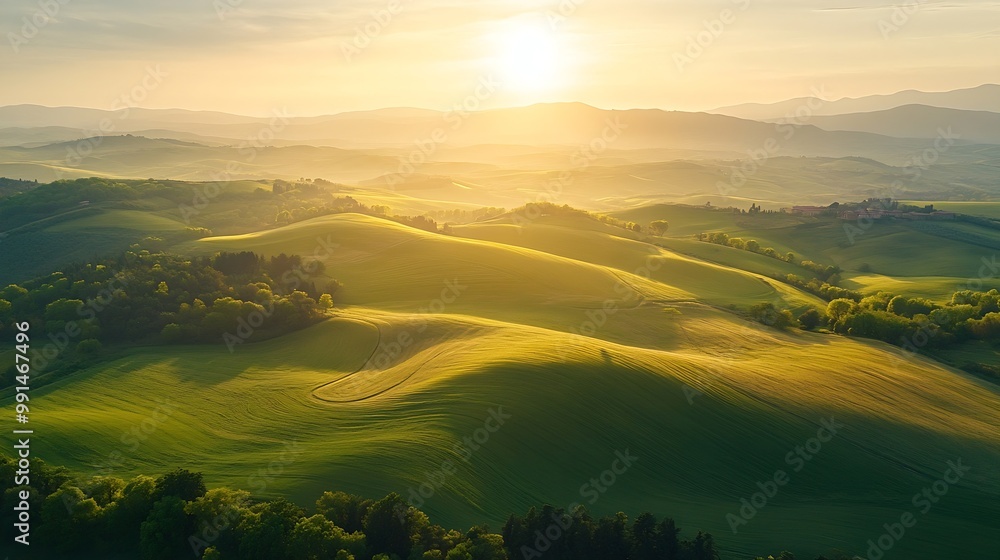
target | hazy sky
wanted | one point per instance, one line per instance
(314, 57)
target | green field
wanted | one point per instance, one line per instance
(975, 208)
(556, 322)
(927, 259)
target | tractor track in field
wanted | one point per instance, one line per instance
(363, 368)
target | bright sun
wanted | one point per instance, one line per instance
(529, 58)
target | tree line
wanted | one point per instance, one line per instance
(146, 296)
(912, 323)
(176, 516)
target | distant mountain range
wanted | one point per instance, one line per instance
(557, 124)
(919, 121)
(973, 113)
(981, 98)
(47, 143)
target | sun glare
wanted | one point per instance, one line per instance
(529, 59)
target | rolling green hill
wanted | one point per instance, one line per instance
(594, 341)
(930, 259)
(378, 429)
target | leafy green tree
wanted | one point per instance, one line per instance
(668, 544)
(643, 536)
(659, 227)
(345, 510)
(876, 302)
(810, 319)
(480, 545)
(840, 308)
(90, 346)
(315, 538)
(105, 490)
(768, 314)
(908, 307)
(69, 520)
(125, 516)
(389, 526)
(215, 516)
(986, 328)
(63, 310)
(264, 531)
(181, 483)
(163, 535)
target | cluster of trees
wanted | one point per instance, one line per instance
(9, 186)
(825, 290)
(214, 206)
(176, 516)
(824, 283)
(140, 294)
(659, 227)
(46, 200)
(910, 322)
(752, 245)
(555, 534)
(906, 321)
(992, 223)
(768, 314)
(535, 210)
(754, 210)
(313, 186)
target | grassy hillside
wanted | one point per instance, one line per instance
(593, 341)
(391, 266)
(76, 236)
(930, 259)
(382, 429)
(590, 241)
